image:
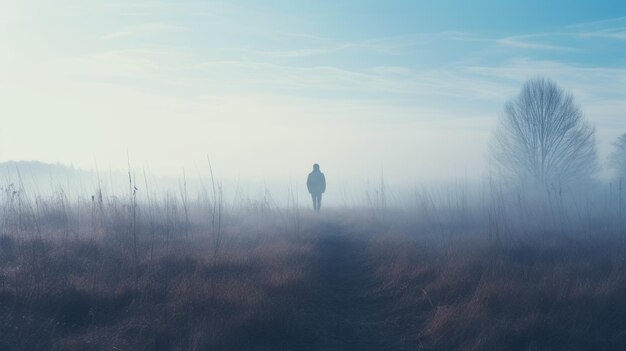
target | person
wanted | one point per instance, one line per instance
(316, 184)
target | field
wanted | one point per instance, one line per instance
(322, 175)
(173, 274)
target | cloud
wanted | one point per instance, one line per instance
(297, 45)
(524, 42)
(143, 29)
(377, 83)
(614, 29)
(615, 33)
(595, 25)
(569, 38)
(286, 53)
(594, 81)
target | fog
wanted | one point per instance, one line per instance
(96, 86)
(312, 175)
(156, 97)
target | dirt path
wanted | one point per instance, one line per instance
(350, 315)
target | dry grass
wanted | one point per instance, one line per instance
(83, 297)
(70, 279)
(558, 295)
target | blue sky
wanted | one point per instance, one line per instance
(409, 88)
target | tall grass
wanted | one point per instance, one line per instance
(455, 266)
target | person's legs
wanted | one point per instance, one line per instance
(316, 201)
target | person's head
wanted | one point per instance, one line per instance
(316, 167)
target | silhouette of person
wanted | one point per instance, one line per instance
(316, 184)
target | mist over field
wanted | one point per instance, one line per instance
(278, 175)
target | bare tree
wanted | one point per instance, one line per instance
(617, 159)
(543, 138)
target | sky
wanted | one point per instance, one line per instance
(408, 90)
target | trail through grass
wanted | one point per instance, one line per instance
(350, 312)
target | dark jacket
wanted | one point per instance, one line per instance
(316, 182)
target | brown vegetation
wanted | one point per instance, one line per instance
(82, 295)
(71, 278)
(559, 295)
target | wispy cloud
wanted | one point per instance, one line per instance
(529, 42)
(595, 25)
(311, 45)
(143, 29)
(399, 83)
(285, 53)
(522, 69)
(608, 29)
(614, 33)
